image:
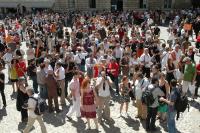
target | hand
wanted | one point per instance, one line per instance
(162, 99)
(193, 82)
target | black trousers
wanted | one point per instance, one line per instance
(151, 117)
(24, 114)
(3, 96)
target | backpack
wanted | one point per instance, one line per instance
(147, 97)
(40, 106)
(181, 104)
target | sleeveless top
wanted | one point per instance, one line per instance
(163, 88)
(171, 68)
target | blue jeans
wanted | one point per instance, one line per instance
(116, 82)
(43, 91)
(171, 121)
(35, 84)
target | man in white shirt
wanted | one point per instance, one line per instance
(8, 58)
(103, 90)
(118, 53)
(90, 62)
(60, 77)
(79, 59)
(32, 116)
(140, 84)
(145, 60)
(30, 52)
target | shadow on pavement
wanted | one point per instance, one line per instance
(195, 104)
(110, 128)
(3, 113)
(22, 126)
(56, 119)
(135, 124)
(79, 125)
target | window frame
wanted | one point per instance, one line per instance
(92, 4)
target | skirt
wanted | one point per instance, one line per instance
(162, 108)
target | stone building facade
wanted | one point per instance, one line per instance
(122, 4)
(64, 5)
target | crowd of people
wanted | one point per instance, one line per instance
(85, 57)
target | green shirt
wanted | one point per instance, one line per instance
(189, 72)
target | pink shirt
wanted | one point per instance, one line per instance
(74, 86)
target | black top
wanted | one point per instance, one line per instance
(2, 77)
(31, 68)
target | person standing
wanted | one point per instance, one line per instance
(74, 86)
(124, 64)
(140, 84)
(30, 52)
(125, 88)
(164, 86)
(41, 81)
(2, 85)
(31, 105)
(7, 58)
(152, 109)
(88, 107)
(113, 70)
(13, 74)
(32, 68)
(118, 53)
(189, 76)
(90, 62)
(52, 91)
(22, 97)
(79, 59)
(59, 72)
(171, 113)
(102, 84)
(145, 60)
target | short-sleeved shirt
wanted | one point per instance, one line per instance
(156, 93)
(189, 72)
(172, 98)
(74, 86)
(139, 87)
(101, 91)
(32, 104)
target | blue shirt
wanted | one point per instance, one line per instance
(172, 98)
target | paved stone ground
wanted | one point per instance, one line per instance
(189, 122)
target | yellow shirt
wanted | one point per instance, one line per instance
(13, 73)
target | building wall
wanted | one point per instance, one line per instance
(103, 4)
(82, 4)
(60, 5)
(131, 4)
(63, 5)
(182, 4)
(155, 4)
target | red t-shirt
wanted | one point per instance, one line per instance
(21, 68)
(198, 68)
(113, 68)
(198, 39)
